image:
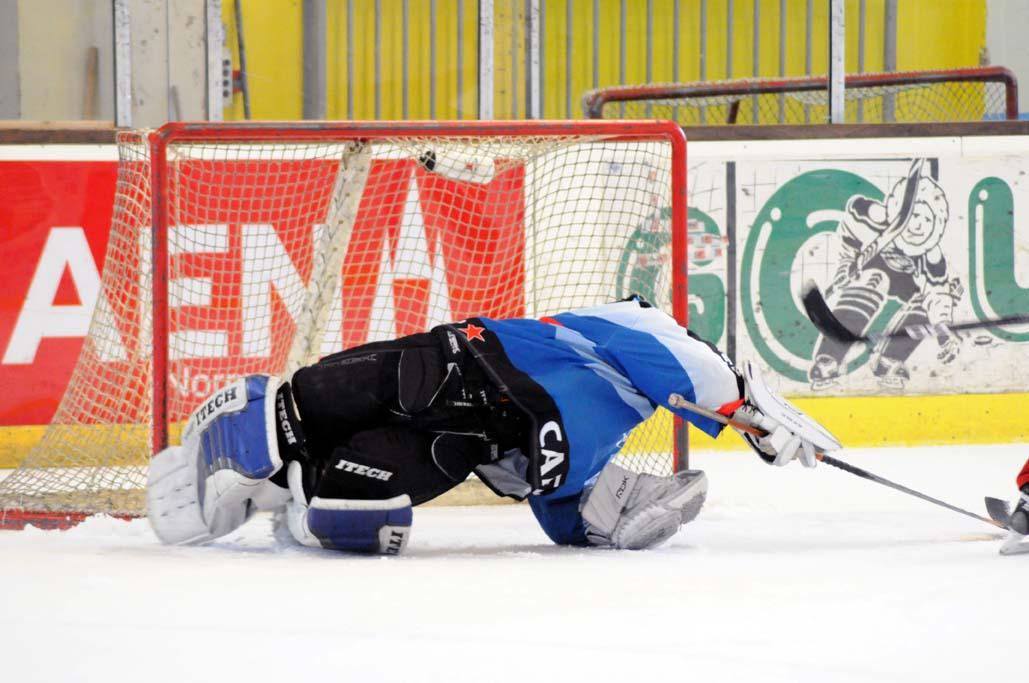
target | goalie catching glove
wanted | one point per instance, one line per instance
(633, 511)
(788, 433)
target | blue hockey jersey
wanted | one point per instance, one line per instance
(587, 378)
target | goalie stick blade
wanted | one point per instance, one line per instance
(999, 510)
(821, 315)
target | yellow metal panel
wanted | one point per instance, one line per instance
(582, 58)
(873, 421)
(769, 47)
(635, 42)
(939, 35)
(274, 45)
(364, 60)
(336, 59)
(420, 65)
(470, 65)
(715, 62)
(932, 34)
(875, 18)
(857, 421)
(509, 59)
(390, 65)
(689, 41)
(555, 62)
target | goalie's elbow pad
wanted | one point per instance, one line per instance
(637, 511)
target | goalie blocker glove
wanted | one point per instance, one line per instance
(789, 433)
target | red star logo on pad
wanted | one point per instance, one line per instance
(473, 332)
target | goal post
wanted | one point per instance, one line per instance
(260, 247)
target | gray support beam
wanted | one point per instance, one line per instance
(889, 55)
(10, 88)
(596, 42)
(890, 36)
(150, 58)
(459, 94)
(244, 73)
(730, 11)
(533, 94)
(217, 87)
(782, 57)
(314, 59)
(486, 59)
(837, 47)
(676, 19)
(186, 22)
(862, 21)
(122, 64)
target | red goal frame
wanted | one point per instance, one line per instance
(183, 133)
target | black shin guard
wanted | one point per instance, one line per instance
(384, 463)
(360, 499)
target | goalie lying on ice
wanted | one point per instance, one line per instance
(536, 409)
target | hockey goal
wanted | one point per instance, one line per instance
(971, 94)
(238, 249)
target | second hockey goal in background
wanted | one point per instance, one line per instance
(971, 94)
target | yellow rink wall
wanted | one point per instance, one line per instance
(934, 34)
(856, 421)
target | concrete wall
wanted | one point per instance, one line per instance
(9, 89)
(57, 60)
(54, 39)
(1007, 25)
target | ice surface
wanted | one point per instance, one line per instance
(787, 575)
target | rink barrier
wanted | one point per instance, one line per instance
(857, 421)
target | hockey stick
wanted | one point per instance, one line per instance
(828, 324)
(999, 510)
(678, 401)
(893, 230)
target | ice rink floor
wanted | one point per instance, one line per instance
(787, 575)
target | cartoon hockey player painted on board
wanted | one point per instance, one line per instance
(907, 266)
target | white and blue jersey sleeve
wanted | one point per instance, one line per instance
(604, 370)
(592, 375)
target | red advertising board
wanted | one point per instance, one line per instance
(461, 242)
(54, 221)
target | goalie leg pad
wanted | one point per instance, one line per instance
(363, 526)
(173, 505)
(212, 483)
